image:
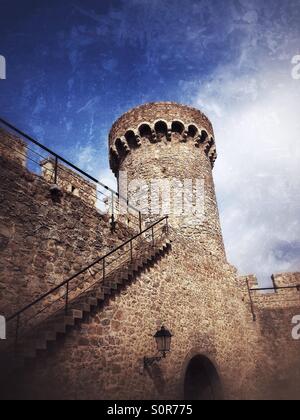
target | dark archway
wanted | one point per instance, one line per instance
(202, 381)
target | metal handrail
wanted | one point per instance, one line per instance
(66, 283)
(266, 289)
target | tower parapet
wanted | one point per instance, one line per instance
(167, 152)
(155, 122)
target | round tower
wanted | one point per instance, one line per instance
(163, 155)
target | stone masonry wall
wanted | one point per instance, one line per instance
(158, 162)
(177, 158)
(103, 359)
(43, 242)
(12, 148)
(192, 291)
(154, 111)
(70, 182)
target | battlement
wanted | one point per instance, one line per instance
(69, 181)
(284, 295)
(157, 122)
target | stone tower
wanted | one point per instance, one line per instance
(160, 142)
(227, 337)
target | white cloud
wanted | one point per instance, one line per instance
(257, 128)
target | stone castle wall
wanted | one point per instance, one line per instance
(152, 112)
(274, 312)
(193, 290)
(178, 155)
(42, 241)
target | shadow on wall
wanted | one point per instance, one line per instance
(202, 381)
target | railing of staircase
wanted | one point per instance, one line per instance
(56, 169)
(100, 272)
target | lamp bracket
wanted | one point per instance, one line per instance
(149, 361)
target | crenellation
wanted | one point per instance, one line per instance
(283, 294)
(151, 122)
(42, 241)
(13, 148)
(214, 314)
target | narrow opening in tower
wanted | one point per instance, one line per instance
(145, 131)
(193, 131)
(177, 127)
(161, 129)
(203, 137)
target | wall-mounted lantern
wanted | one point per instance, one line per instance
(163, 339)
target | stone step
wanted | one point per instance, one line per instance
(95, 293)
(111, 284)
(93, 301)
(106, 290)
(47, 335)
(84, 307)
(75, 314)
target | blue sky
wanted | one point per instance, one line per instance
(74, 66)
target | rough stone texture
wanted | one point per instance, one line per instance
(12, 148)
(43, 242)
(70, 182)
(104, 358)
(175, 157)
(161, 162)
(156, 122)
(193, 291)
(152, 112)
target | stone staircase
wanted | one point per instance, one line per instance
(86, 303)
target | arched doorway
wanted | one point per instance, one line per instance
(202, 381)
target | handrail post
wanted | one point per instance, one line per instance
(55, 170)
(153, 238)
(131, 251)
(140, 221)
(67, 299)
(103, 270)
(167, 225)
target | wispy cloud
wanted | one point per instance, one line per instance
(230, 58)
(254, 104)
